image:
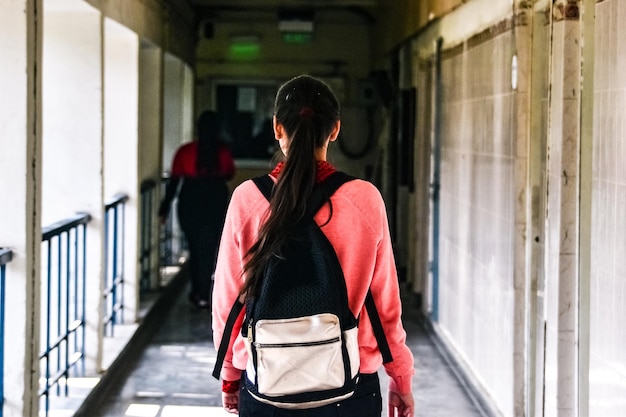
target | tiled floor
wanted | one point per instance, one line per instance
(173, 378)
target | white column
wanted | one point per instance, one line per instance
(173, 82)
(188, 116)
(72, 141)
(121, 175)
(563, 211)
(20, 166)
(535, 244)
(175, 125)
(521, 60)
(150, 160)
(588, 17)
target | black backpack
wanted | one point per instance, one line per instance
(300, 334)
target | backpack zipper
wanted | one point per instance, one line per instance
(302, 344)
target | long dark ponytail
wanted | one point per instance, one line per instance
(309, 111)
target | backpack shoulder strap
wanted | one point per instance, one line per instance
(226, 337)
(377, 326)
(265, 184)
(321, 192)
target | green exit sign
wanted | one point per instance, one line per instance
(297, 37)
(245, 50)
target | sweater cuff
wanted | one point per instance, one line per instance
(230, 387)
(401, 384)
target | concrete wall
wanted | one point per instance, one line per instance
(168, 24)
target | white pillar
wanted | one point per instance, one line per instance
(121, 60)
(72, 141)
(173, 81)
(588, 19)
(20, 166)
(177, 128)
(563, 214)
(150, 159)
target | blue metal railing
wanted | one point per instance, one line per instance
(166, 251)
(63, 303)
(5, 257)
(114, 223)
(148, 191)
(172, 248)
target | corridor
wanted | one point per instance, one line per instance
(493, 129)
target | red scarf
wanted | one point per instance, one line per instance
(324, 170)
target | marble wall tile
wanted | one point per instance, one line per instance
(607, 396)
(620, 50)
(620, 136)
(571, 58)
(520, 124)
(568, 378)
(552, 226)
(478, 193)
(598, 129)
(600, 48)
(611, 30)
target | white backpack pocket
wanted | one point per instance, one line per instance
(299, 355)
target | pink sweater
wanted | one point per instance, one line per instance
(359, 232)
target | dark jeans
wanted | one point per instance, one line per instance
(201, 210)
(202, 241)
(365, 402)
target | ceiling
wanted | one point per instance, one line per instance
(275, 4)
(210, 8)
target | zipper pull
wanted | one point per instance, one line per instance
(250, 331)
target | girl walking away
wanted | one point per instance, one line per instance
(199, 173)
(354, 221)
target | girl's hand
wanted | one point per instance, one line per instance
(402, 403)
(230, 402)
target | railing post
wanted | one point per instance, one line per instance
(173, 242)
(113, 294)
(63, 304)
(146, 253)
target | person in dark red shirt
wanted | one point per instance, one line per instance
(199, 174)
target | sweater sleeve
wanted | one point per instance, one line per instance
(239, 231)
(184, 160)
(362, 239)
(386, 294)
(171, 186)
(226, 164)
(171, 189)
